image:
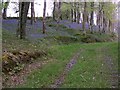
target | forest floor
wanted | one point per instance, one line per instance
(74, 64)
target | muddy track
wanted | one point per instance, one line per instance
(60, 79)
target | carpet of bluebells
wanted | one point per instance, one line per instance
(35, 31)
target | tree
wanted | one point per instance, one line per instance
(92, 17)
(33, 19)
(74, 11)
(84, 16)
(59, 11)
(54, 4)
(24, 7)
(5, 6)
(78, 13)
(44, 18)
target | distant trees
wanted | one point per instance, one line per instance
(84, 12)
(75, 12)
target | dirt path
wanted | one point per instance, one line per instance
(20, 78)
(68, 67)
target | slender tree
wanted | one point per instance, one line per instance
(54, 7)
(44, 17)
(32, 12)
(78, 13)
(84, 16)
(18, 29)
(75, 16)
(59, 11)
(92, 17)
(72, 12)
(5, 6)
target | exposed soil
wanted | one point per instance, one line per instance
(68, 67)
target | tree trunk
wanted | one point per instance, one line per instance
(23, 18)
(18, 29)
(104, 20)
(44, 18)
(78, 14)
(32, 12)
(59, 12)
(92, 17)
(72, 13)
(75, 12)
(84, 17)
(54, 10)
(98, 18)
(5, 10)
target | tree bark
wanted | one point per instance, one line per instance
(5, 10)
(18, 29)
(59, 11)
(72, 13)
(75, 12)
(23, 18)
(44, 18)
(84, 17)
(54, 6)
(32, 12)
(78, 14)
(92, 17)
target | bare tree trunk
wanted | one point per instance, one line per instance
(72, 13)
(75, 12)
(54, 10)
(44, 17)
(98, 18)
(18, 29)
(110, 26)
(84, 17)
(92, 17)
(104, 20)
(5, 10)
(78, 14)
(23, 18)
(59, 12)
(32, 12)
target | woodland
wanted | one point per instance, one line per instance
(75, 47)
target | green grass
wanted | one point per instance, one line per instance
(11, 43)
(87, 72)
(89, 66)
(46, 76)
(89, 63)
